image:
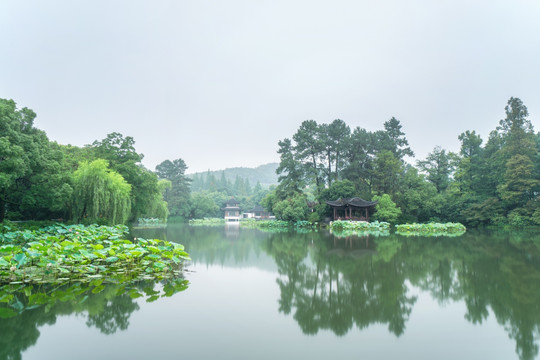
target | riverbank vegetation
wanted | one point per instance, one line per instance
(491, 183)
(495, 182)
(207, 222)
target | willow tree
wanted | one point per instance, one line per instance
(100, 194)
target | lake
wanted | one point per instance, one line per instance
(311, 295)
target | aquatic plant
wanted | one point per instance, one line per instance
(431, 229)
(279, 225)
(62, 253)
(207, 222)
(343, 225)
(150, 221)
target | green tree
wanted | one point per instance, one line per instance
(100, 194)
(123, 158)
(157, 207)
(386, 209)
(291, 175)
(203, 205)
(334, 137)
(517, 130)
(178, 195)
(469, 166)
(359, 159)
(291, 209)
(416, 196)
(519, 183)
(33, 182)
(308, 150)
(386, 172)
(393, 139)
(438, 167)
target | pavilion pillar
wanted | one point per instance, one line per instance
(367, 215)
(334, 213)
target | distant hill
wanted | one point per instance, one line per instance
(265, 174)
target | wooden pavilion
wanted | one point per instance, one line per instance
(232, 210)
(351, 207)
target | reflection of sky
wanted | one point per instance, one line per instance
(232, 313)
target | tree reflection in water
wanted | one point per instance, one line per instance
(335, 284)
(107, 308)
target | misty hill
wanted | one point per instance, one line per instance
(265, 174)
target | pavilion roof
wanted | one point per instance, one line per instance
(351, 202)
(232, 203)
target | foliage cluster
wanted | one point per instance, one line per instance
(207, 222)
(431, 229)
(342, 225)
(104, 182)
(84, 253)
(280, 225)
(498, 183)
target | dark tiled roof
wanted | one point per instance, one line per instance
(232, 202)
(354, 202)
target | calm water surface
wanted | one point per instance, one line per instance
(259, 295)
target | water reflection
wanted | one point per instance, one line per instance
(107, 307)
(336, 283)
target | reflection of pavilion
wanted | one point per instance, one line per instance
(351, 207)
(349, 240)
(232, 230)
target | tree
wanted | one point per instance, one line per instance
(519, 183)
(33, 183)
(117, 149)
(335, 137)
(157, 207)
(396, 141)
(386, 172)
(291, 209)
(416, 197)
(120, 152)
(308, 149)
(202, 205)
(100, 194)
(386, 209)
(291, 175)
(438, 167)
(470, 165)
(178, 195)
(359, 159)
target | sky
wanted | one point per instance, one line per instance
(219, 83)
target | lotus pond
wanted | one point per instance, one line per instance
(253, 294)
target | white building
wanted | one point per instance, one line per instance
(232, 211)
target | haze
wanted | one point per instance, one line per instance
(218, 83)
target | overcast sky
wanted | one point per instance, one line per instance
(218, 83)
